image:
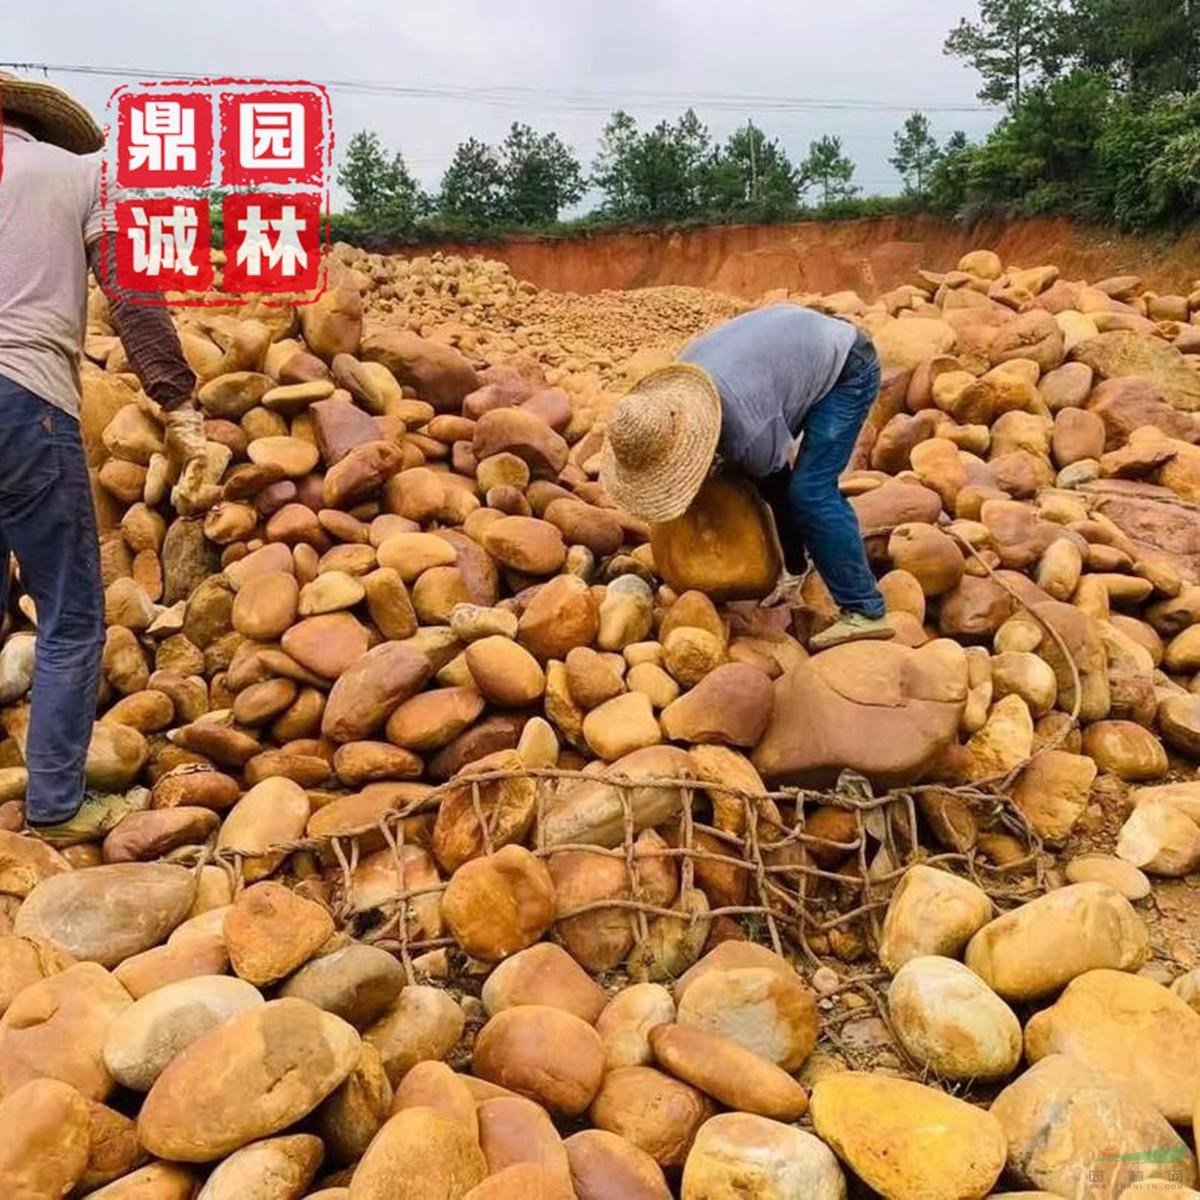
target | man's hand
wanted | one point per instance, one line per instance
(186, 451)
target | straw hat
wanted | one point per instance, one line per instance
(661, 440)
(57, 116)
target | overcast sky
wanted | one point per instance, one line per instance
(577, 58)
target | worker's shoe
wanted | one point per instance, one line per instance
(852, 627)
(787, 587)
(99, 813)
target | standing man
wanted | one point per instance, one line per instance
(747, 390)
(52, 225)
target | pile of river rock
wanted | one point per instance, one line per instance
(414, 577)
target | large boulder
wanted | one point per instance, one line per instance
(273, 811)
(950, 1021)
(438, 373)
(56, 1029)
(1122, 353)
(931, 912)
(44, 1151)
(371, 688)
(908, 1141)
(658, 1114)
(25, 862)
(277, 1062)
(762, 1004)
(106, 914)
(734, 1076)
(882, 709)
(282, 1166)
(158, 1181)
(356, 982)
(1070, 1127)
(724, 545)
(906, 344)
(1036, 949)
(26, 960)
(543, 974)
(741, 1155)
(419, 1144)
(545, 1054)
(1131, 1029)
(270, 931)
(562, 614)
(332, 324)
(145, 1037)
(422, 1025)
(500, 903)
(606, 1166)
(731, 705)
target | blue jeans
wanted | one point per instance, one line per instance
(47, 520)
(810, 512)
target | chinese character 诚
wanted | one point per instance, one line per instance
(163, 241)
(163, 244)
(162, 137)
(272, 135)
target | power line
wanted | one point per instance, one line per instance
(548, 98)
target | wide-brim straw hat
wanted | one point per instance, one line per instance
(661, 440)
(57, 116)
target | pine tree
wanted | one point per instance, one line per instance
(539, 175)
(1013, 43)
(916, 153)
(751, 175)
(472, 185)
(613, 166)
(379, 187)
(828, 166)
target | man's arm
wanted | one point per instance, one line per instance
(146, 331)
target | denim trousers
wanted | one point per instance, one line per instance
(48, 522)
(811, 514)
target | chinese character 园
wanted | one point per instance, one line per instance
(271, 135)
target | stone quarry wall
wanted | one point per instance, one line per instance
(869, 256)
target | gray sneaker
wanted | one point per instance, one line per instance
(852, 627)
(99, 813)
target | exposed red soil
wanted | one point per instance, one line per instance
(868, 256)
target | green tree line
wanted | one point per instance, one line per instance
(1101, 112)
(1100, 119)
(672, 172)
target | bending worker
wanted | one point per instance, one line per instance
(745, 391)
(52, 226)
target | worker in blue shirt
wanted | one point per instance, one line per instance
(746, 391)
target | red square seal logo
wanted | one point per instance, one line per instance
(164, 141)
(272, 242)
(273, 137)
(163, 245)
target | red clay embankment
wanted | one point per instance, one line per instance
(868, 256)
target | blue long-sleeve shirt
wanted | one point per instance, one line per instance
(770, 367)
